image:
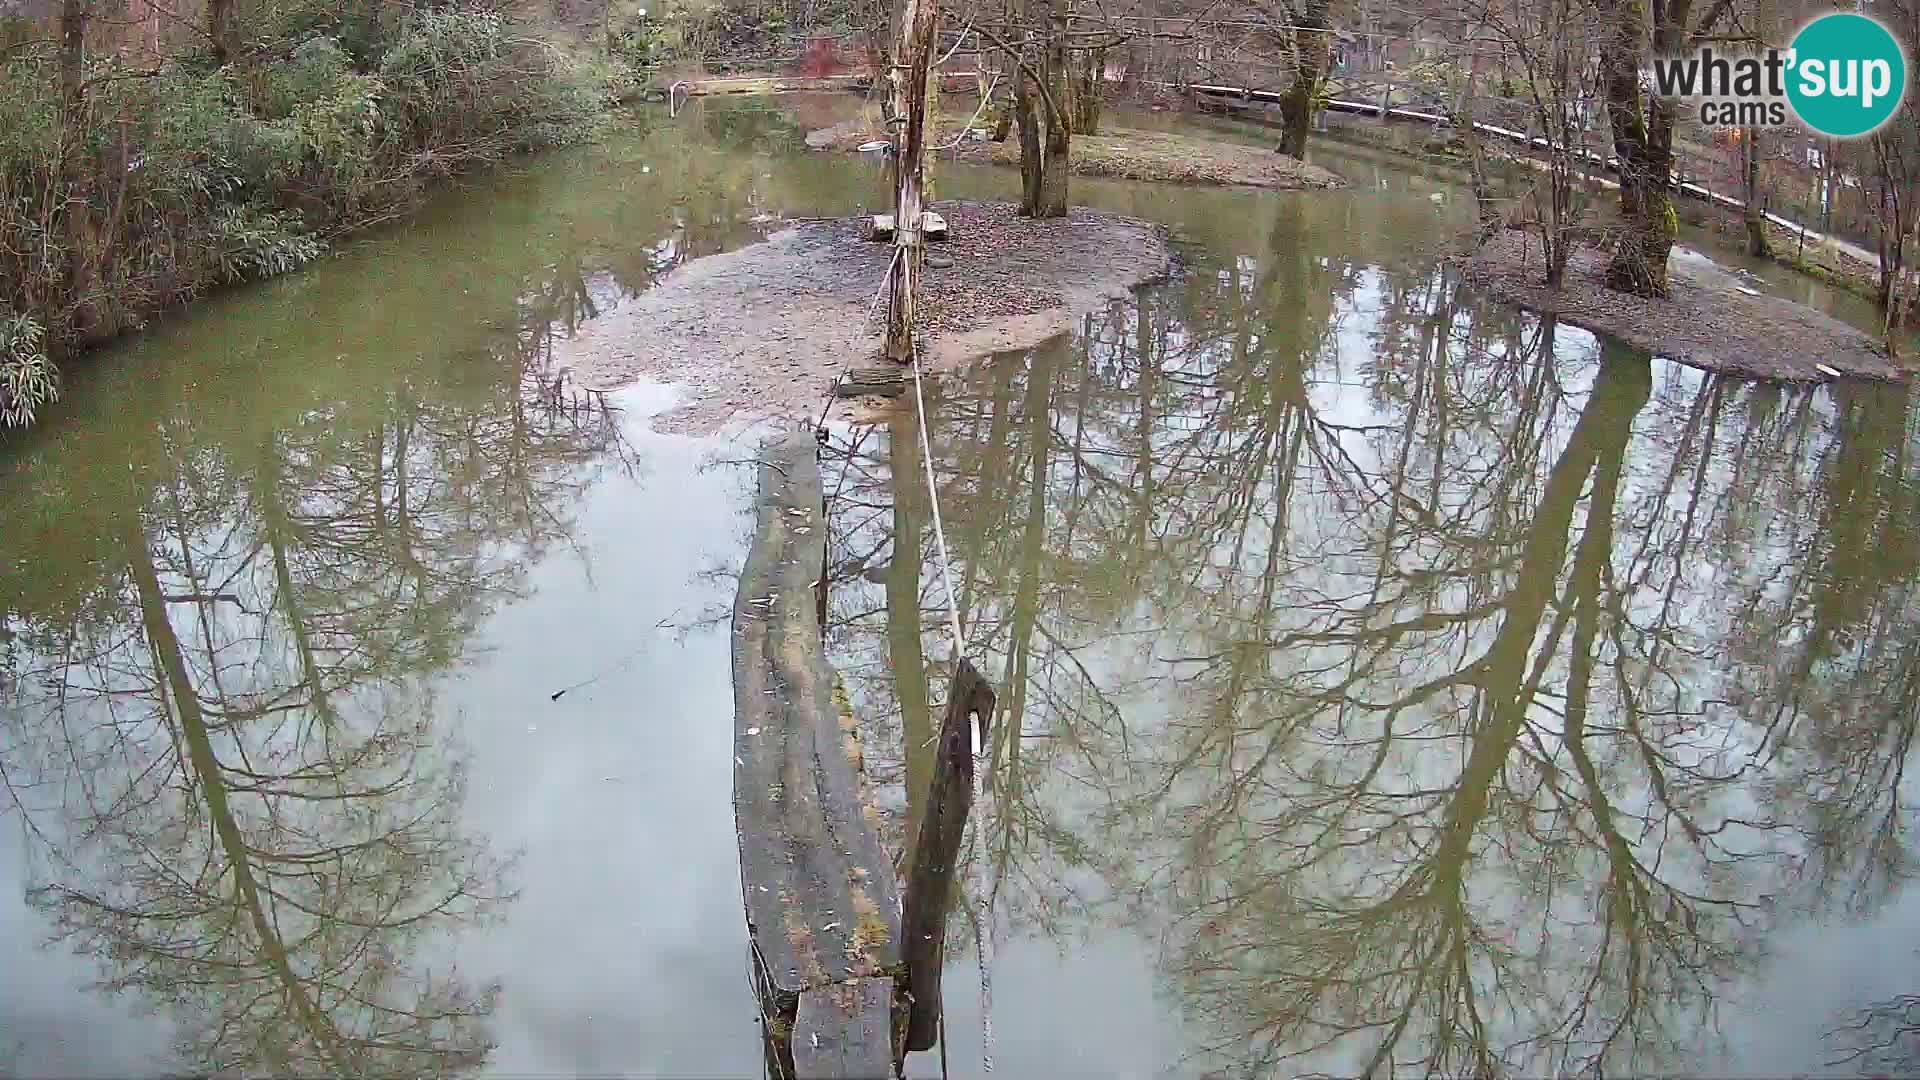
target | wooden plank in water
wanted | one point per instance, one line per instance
(872, 382)
(775, 84)
(930, 881)
(845, 1031)
(822, 906)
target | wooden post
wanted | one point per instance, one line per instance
(930, 879)
(912, 62)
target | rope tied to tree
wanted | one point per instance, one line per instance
(982, 936)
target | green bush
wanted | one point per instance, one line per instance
(636, 43)
(317, 65)
(159, 185)
(27, 377)
(255, 243)
(464, 85)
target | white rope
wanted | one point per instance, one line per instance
(939, 529)
(982, 942)
(886, 279)
(984, 99)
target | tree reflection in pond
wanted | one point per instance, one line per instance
(1442, 690)
(243, 798)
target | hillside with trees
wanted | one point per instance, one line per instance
(150, 153)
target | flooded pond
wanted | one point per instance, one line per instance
(1391, 682)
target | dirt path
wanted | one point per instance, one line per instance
(763, 332)
(1710, 321)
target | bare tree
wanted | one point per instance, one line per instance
(1057, 50)
(1894, 166)
(1312, 41)
(1039, 85)
(908, 78)
(1550, 43)
(1642, 126)
(1883, 1037)
(1753, 216)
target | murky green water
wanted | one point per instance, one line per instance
(1400, 682)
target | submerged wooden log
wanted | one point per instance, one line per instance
(930, 880)
(871, 382)
(822, 908)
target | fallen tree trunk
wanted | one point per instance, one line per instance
(930, 880)
(821, 905)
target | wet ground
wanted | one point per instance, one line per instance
(1120, 151)
(1399, 678)
(1710, 319)
(764, 332)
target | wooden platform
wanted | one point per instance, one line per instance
(775, 84)
(822, 907)
(950, 82)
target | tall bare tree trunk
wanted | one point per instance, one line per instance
(1311, 49)
(1086, 76)
(1486, 206)
(1755, 214)
(1643, 143)
(913, 60)
(1038, 104)
(1897, 302)
(223, 30)
(73, 176)
(1894, 196)
(73, 51)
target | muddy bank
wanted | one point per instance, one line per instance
(764, 331)
(1125, 154)
(1708, 322)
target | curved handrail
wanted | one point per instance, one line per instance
(673, 112)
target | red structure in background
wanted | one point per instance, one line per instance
(821, 57)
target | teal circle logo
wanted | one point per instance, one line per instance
(1847, 75)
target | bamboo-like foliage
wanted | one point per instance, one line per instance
(124, 189)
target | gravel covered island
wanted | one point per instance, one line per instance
(763, 331)
(1709, 320)
(1125, 154)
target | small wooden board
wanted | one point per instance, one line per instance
(871, 382)
(932, 226)
(845, 1031)
(822, 903)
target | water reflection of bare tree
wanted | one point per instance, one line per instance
(1883, 1038)
(249, 805)
(1469, 703)
(1037, 498)
(1834, 680)
(1329, 856)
